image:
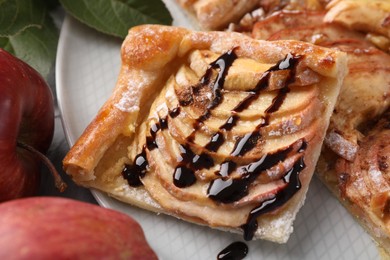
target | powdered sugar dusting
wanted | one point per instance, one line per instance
(341, 146)
(280, 228)
(130, 98)
(378, 179)
(375, 175)
(277, 230)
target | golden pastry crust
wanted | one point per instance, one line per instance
(172, 103)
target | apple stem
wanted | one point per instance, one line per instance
(59, 183)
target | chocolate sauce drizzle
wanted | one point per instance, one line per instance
(249, 141)
(226, 168)
(174, 112)
(230, 123)
(225, 189)
(184, 174)
(134, 172)
(228, 190)
(218, 139)
(235, 251)
(183, 177)
(293, 184)
(223, 63)
(288, 63)
(189, 162)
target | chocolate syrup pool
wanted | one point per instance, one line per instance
(235, 251)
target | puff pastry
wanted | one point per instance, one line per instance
(214, 128)
(351, 164)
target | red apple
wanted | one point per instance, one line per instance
(26, 126)
(59, 228)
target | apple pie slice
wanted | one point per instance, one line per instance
(215, 128)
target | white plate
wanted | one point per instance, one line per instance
(87, 67)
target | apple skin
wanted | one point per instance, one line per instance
(61, 228)
(26, 115)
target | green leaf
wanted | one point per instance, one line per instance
(115, 17)
(153, 9)
(36, 46)
(6, 45)
(18, 15)
(51, 4)
(28, 32)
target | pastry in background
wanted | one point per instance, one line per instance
(363, 185)
(369, 16)
(266, 8)
(355, 158)
(216, 14)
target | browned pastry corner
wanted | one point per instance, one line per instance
(356, 155)
(214, 128)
